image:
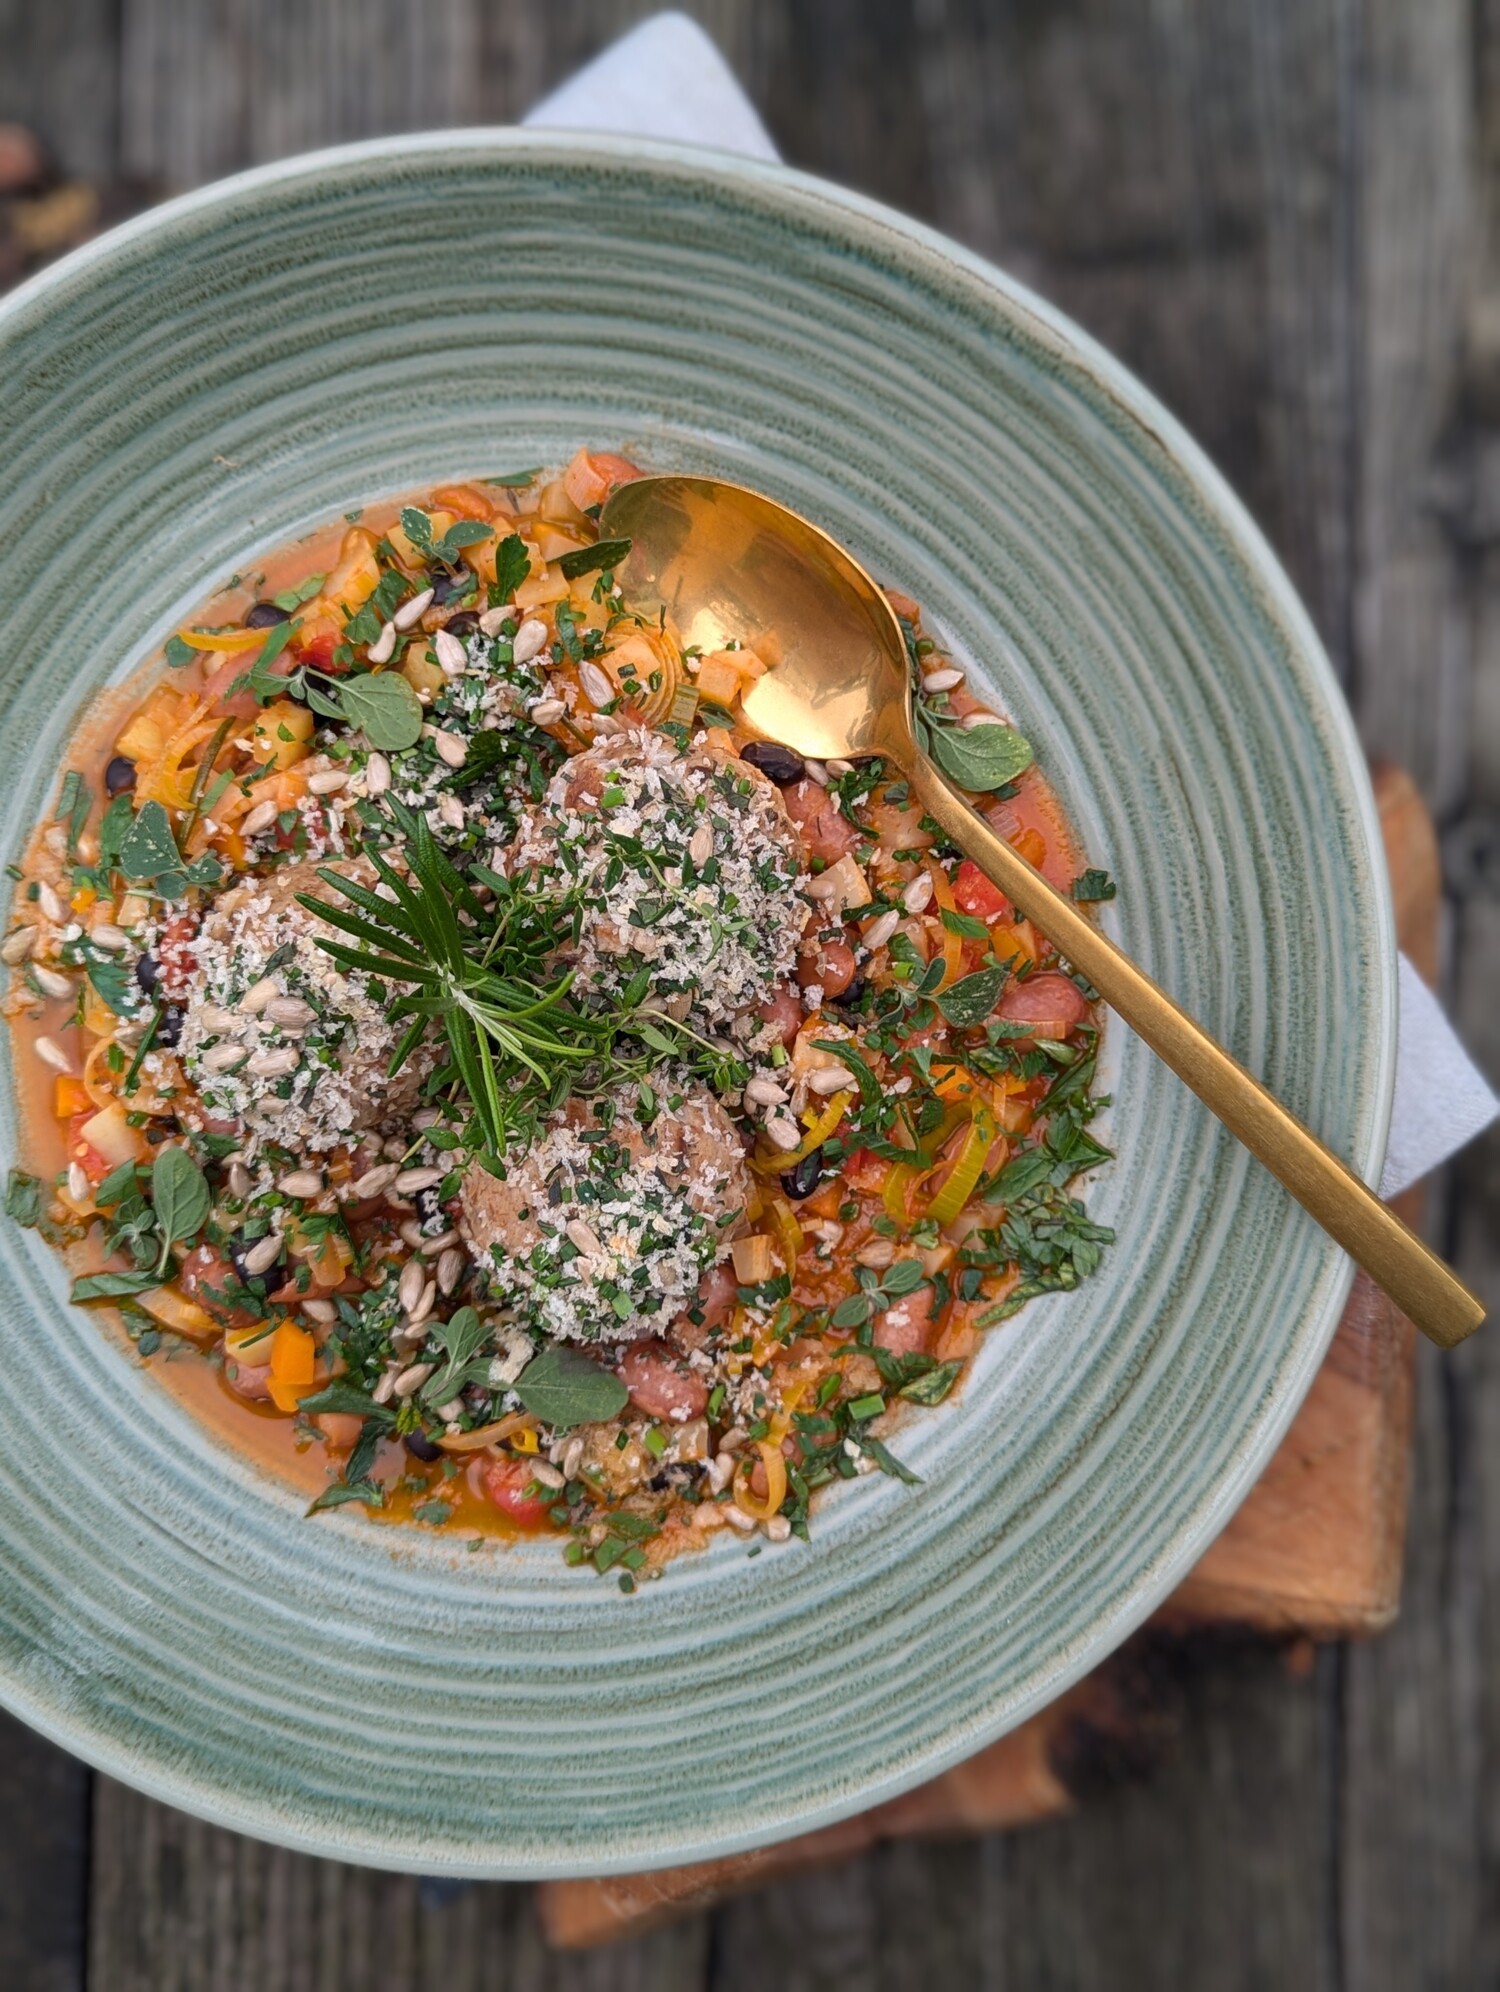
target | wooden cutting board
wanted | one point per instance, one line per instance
(1313, 1554)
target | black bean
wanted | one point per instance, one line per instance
(265, 615)
(776, 763)
(445, 584)
(421, 1447)
(119, 775)
(147, 972)
(465, 623)
(429, 1204)
(847, 998)
(169, 1030)
(803, 1180)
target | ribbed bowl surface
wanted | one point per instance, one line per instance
(210, 380)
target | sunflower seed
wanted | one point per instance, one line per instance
(78, 1182)
(451, 812)
(107, 935)
(262, 1255)
(942, 680)
(50, 982)
(377, 775)
(214, 1017)
(260, 818)
(572, 1459)
(258, 995)
(738, 1519)
(918, 895)
(546, 1476)
(880, 930)
(382, 649)
(408, 612)
(584, 1237)
(411, 1231)
(426, 1300)
(373, 1181)
(320, 1310)
(529, 639)
(431, 1247)
(385, 1390)
(328, 781)
(223, 1057)
(17, 945)
(597, 688)
(545, 711)
(239, 1182)
(830, 1079)
(52, 907)
(972, 719)
(410, 1381)
(412, 1180)
(784, 1131)
(450, 653)
(274, 1064)
(409, 1287)
(450, 1269)
(838, 769)
(301, 1183)
(763, 1092)
(290, 1012)
(816, 772)
(450, 747)
(701, 845)
(50, 1052)
(879, 1252)
(778, 1528)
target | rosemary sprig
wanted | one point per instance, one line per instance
(484, 974)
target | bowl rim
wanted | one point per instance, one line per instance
(811, 194)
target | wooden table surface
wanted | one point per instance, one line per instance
(1282, 214)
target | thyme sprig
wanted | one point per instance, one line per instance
(484, 971)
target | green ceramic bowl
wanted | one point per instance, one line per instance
(205, 382)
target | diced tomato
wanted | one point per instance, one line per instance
(977, 895)
(660, 1384)
(94, 1165)
(865, 1171)
(505, 1482)
(318, 651)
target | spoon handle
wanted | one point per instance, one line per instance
(1415, 1278)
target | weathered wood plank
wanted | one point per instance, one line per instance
(58, 74)
(44, 1797)
(179, 1906)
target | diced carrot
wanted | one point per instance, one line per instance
(70, 1096)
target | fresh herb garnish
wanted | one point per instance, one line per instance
(180, 1197)
(563, 1388)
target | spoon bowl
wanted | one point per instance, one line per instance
(730, 565)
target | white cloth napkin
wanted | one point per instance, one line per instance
(666, 79)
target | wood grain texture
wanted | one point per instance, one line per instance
(1282, 213)
(44, 1866)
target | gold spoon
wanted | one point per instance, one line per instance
(730, 564)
